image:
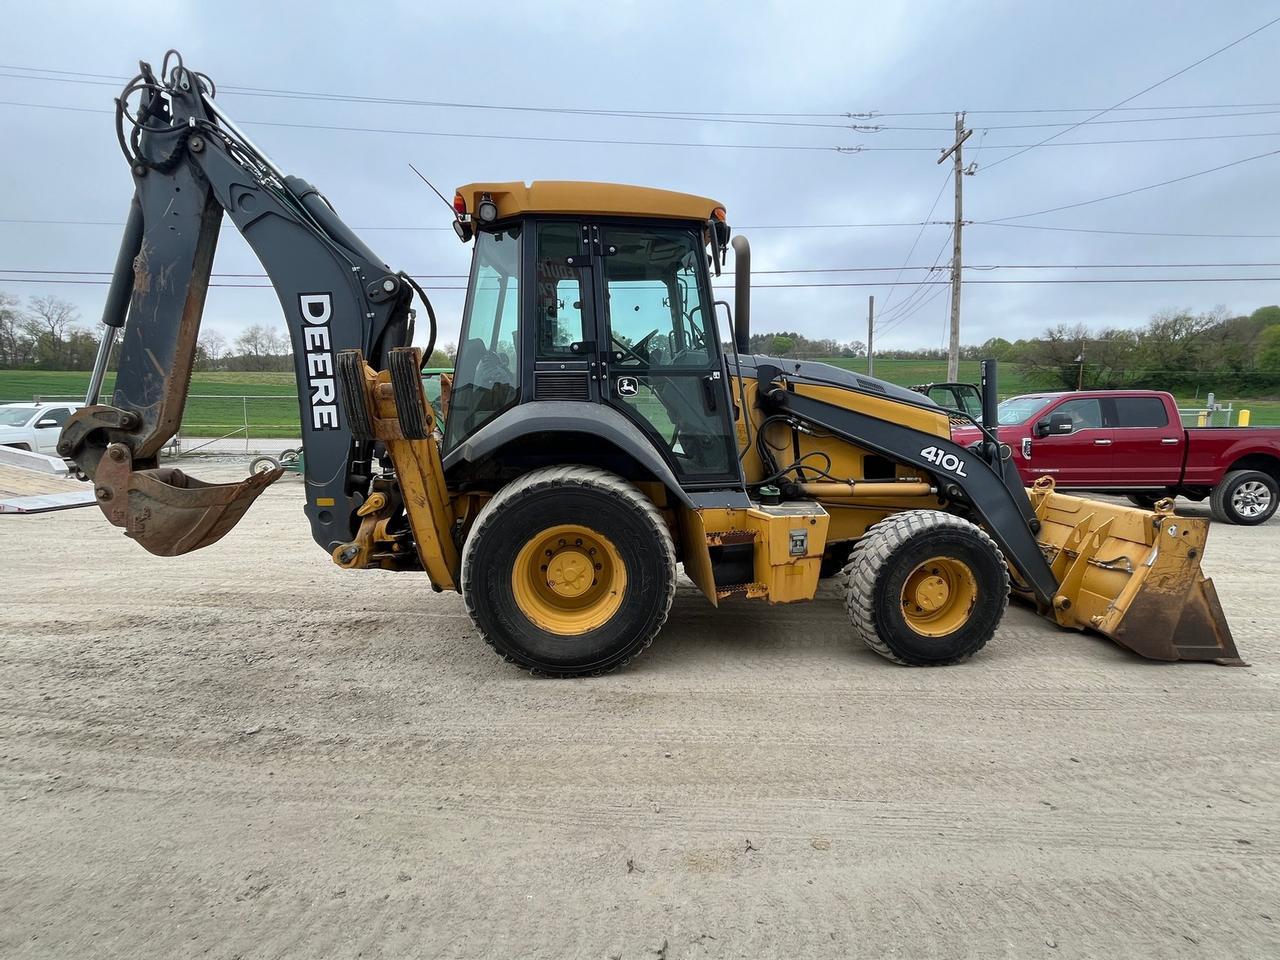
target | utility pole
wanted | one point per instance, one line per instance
(871, 333)
(1080, 369)
(955, 151)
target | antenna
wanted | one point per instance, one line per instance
(452, 212)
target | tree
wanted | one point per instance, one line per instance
(254, 347)
(13, 343)
(440, 358)
(1269, 349)
(214, 345)
(47, 322)
(1266, 316)
(783, 344)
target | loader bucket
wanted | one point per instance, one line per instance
(1133, 575)
(165, 510)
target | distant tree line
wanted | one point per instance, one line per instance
(47, 334)
(1175, 350)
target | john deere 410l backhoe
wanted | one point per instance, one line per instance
(598, 433)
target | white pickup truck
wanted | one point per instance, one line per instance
(34, 426)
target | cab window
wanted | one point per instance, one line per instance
(487, 369)
(560, 294)
(1085, 413)
(1140, 412)
(657, 315)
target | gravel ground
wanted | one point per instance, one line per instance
(249, 753)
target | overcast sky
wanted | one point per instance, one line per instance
(745, 57)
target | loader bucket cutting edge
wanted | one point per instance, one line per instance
(168, 512)
(1133, 576)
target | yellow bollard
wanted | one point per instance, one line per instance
(1244, 418)
(1202, 420)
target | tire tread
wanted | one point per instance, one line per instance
(564, 475)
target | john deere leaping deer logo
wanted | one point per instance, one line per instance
(628, 386)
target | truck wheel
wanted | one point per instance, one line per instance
(926, 588)
(1145, 501)
(569, 570)
(1245, 497)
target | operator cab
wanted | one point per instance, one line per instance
(588, 295)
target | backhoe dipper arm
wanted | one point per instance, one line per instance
(190, 163)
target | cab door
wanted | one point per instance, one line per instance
(659, 349)
(1081, 458)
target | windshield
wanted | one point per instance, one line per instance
(15, 416)
(1019, 409)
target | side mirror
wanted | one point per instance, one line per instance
(46, 422)
(1056, 424)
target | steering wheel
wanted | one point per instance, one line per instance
(638, 350)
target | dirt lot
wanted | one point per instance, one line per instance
(249, 753)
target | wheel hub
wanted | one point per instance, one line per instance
(568, 579)
(569, 573)
(932, 593)
(938, 596)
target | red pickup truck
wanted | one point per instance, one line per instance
(1133, 442)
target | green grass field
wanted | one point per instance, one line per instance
(216, 405)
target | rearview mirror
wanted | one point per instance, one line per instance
(1056, 424)
(46, 422)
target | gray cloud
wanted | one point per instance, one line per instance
(821, 58)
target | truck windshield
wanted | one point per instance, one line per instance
(1019, 409)
(14, 416)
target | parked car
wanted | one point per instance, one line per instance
(34, 426)
(1133, 442)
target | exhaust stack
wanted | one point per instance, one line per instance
(742, 294)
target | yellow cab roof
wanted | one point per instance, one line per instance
(586, 198)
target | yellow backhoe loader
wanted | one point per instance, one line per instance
(598, 431)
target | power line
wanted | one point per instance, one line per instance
(1126, 193)
(775, 286)
(770, 226)
(662, 114)
(1127, 233)
(483, 136)
(1252, 264)
(1070, 126)
(914, 243)
(1140, 92)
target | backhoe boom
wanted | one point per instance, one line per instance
(191, 165)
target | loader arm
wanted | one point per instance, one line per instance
(190, 165)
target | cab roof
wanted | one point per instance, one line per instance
(586, 198)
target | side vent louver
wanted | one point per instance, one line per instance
(571, 385)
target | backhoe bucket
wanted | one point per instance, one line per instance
(1134, 576)
(165, 510)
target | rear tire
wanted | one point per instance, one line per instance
(524, 564)
(1245, 497)
(926, 588)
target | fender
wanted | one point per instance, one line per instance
(560, 416)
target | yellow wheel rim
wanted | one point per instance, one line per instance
(568, 579)
(939, 596)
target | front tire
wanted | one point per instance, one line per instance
(926, 588)
(1245, 497)
(568, 571)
